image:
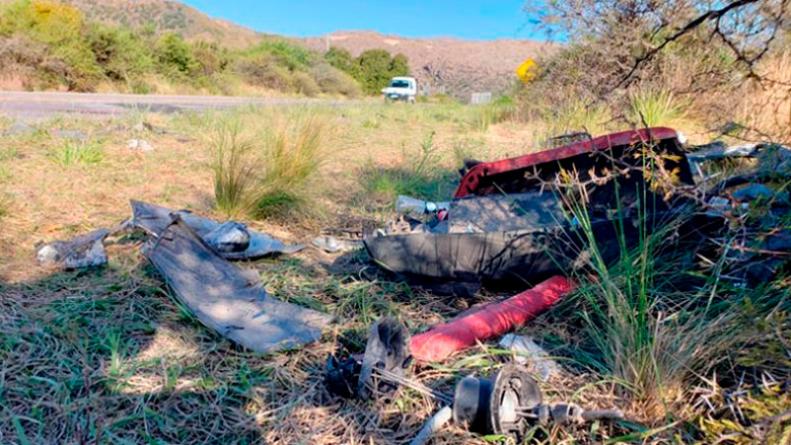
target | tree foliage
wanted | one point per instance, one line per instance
(373, 68)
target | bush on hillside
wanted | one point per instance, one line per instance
(334, 81)
(60, 27)
(175, 56)
(264, 71)
(342, 60)
(304, 84)
(119, 53)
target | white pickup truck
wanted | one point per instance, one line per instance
(401, 88)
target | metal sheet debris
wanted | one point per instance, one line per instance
(227, 300)
(77, 253)
(154, 219)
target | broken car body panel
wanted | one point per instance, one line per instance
(226, 299)
(154, 219)
(505, 223)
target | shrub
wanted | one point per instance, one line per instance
(211, 57)
(175, 56)
(334, 81)
(290, 55)
(303, 83)
(377, 67)
(120, 54)
(342, 60)
(264, 71)
(577, 116)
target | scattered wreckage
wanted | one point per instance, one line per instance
(192, 254)
(507, 222)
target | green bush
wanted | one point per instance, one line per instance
(342, 60)
(73, 153)
(292, 154)
(120, 54)
(234, 167)
(377, 67)
(287, 54)
(653, 107)
(175, 56)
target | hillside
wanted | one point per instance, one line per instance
(451, 65)
(168, 15)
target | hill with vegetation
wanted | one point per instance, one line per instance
(162, 16)
(48, 44)
(446, 65)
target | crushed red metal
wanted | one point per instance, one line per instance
(479, 179)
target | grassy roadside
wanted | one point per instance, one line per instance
(109, 356)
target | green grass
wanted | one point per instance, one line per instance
(234, 168)
(265, 169)
(655, 107)
(421, 176)
(291, 157)
(78, 153)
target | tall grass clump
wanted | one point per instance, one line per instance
(648, 334)
(291, 155)
(653, 107)
(264, 169)
(234, 167)
(74, 153)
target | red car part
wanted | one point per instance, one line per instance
(492, 320)
(476, 180)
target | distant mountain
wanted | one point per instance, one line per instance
(167, 16)
(457, 67)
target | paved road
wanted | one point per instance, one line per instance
(39, 105)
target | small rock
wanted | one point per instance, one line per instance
(139, 144)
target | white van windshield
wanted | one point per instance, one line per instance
(398, 83)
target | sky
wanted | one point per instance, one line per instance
(468, 19)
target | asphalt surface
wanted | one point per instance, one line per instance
(42, 105)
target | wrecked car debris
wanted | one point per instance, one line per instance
(331, 244)
(224, 298)
(528, 353)
(77, 253)
(229, 237)
(504, 223)
(153, 219)
(486, 322)
(407, 205)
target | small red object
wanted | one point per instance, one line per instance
(492, 320)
